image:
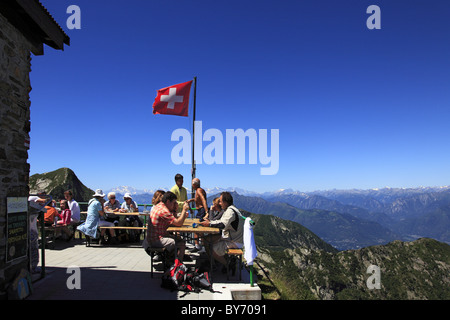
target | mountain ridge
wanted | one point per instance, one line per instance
(416, 270)
(343, 231)
(56, 182)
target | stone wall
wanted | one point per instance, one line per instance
(15, 66)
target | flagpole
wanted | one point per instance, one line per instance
(193, 135)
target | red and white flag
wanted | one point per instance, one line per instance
(173, 100)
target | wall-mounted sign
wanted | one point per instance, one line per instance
(16, 227)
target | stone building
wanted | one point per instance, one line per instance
(25, 26)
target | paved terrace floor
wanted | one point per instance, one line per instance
(119, 272)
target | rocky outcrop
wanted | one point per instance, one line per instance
(56, 182)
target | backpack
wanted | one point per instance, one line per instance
(174, 278)
(202, 280)
(179, 277)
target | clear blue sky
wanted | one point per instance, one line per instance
(355, 108)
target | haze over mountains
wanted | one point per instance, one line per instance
(349, 219)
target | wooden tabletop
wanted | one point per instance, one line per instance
(129, 213)
(187, 227)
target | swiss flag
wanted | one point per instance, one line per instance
(173, 100)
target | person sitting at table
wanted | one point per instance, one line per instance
(157, 197)
(231, 225)
(161, 218)
(65, 217)
(65, 214)
(130, 220)
(215, 212)
(95, 211)
(73, 206)
(51, 216)
(111, 206)
(129, 205)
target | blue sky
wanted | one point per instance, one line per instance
(355, 108)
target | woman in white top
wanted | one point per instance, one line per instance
(73, 206)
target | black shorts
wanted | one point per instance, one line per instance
(200, 213)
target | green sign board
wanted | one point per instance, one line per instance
(16, 228)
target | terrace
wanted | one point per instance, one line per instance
(123, 273)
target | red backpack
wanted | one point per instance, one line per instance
(181, 278)
(175, 277)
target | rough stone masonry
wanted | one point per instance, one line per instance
(15, 66)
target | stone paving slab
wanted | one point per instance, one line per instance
(113, 273)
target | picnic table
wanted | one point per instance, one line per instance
(145, 214)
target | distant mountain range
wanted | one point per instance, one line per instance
(350, 219)
(216, 190)
(342, 230)
(347, 219)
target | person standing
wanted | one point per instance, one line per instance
(36, 204)
(179, 191)
(201, 206)
(200, 200)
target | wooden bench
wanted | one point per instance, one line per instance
(88, 239)
(132, 228)
(52, 230)
(124, 228)
(236, 253)
(74, 226)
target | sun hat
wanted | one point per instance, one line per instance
(127, 195)
(99, 193)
